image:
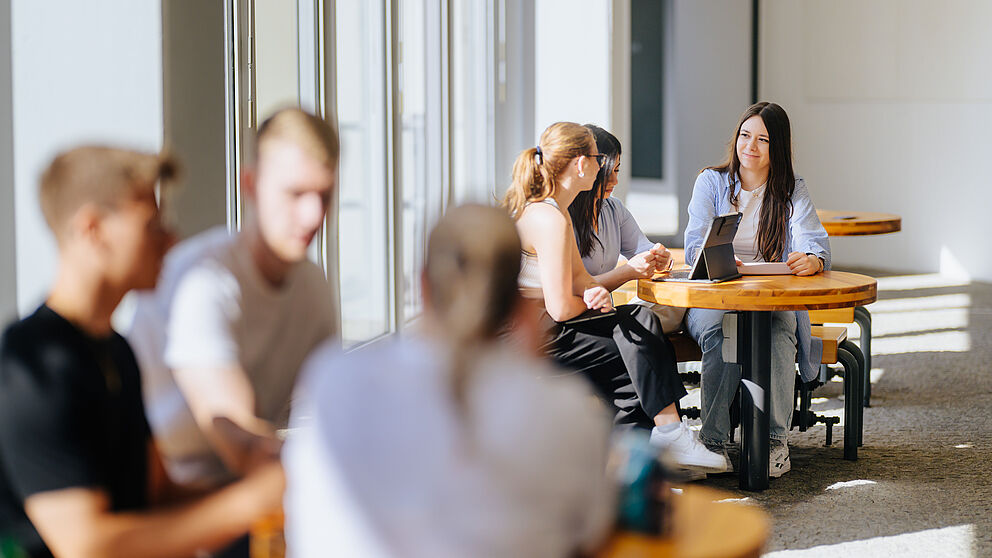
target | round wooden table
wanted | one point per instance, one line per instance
(756, 296)
(703, 527)
(857, 223)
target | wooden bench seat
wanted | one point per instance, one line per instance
(832, 338)
(832, 316)
(686, 348)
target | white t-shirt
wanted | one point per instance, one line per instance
(746, 240)
(382, 464)
(213, 308)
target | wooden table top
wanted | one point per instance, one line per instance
(703, 528)
(829, 289)
(855, 223)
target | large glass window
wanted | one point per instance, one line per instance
(472, 102)
(392, 74)
(363, 212)
(422, 174)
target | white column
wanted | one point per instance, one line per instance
(572, 62)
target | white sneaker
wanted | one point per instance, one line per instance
(730, 451)
(778, 458)
(683, 448)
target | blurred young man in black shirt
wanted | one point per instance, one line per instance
(79, 475)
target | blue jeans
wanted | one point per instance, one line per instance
(720, 380)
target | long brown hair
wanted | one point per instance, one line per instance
(776, 205)
(535, 173)
(586, 206)
(473, 259)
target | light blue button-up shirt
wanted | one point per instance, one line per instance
(805, 233)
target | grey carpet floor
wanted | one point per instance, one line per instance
(923, 483)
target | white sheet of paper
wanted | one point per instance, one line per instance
(764, 268)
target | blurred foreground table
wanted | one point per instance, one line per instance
(703, 527)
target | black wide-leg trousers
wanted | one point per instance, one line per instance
(626, 357)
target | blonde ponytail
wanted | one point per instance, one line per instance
(536, 170)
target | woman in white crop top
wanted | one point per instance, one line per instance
(622, 351)
(605, 230)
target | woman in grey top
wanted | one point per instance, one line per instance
(605, 230)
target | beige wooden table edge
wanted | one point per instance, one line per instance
(844, 290)
(866, 223)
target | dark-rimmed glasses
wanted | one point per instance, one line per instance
(600, 159)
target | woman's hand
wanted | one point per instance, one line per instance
(662, 257)
(643, 265)
(597, 297)
(804, 264)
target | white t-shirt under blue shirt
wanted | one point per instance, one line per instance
(746, 240)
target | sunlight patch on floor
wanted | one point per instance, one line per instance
(921, 281)
(916, 303)
(849, 484)
(744, 500)
(945, 341)
(949, 542)
(898, 323)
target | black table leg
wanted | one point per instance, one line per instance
(863, 318)
(754, 355)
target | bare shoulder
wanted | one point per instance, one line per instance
(539, 224)
(542, 217)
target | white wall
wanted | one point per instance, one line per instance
(890, 108)
(572, 63)
(82, 72)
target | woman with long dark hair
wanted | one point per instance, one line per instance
(605, 230)
(779, 224)
(622, 351)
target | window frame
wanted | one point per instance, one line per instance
(318, 93)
